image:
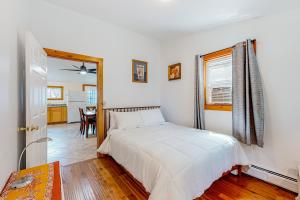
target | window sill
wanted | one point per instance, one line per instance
(218, 107)
(55, 99)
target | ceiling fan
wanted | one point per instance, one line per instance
(82, 69)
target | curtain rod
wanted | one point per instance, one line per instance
(253, 41)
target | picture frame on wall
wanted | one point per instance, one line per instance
(174, 72)
(139, 71)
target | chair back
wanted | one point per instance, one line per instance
(91, 108)
(81, 114)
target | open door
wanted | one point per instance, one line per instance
(36, 101)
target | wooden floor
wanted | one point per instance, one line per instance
(104, 179)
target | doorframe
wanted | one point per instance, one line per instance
(99, 62)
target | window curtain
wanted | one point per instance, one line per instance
(199, 95)
(247, 96)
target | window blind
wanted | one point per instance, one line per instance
(219, 80)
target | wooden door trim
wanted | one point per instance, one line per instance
(99, 62)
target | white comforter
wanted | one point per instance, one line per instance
(173, 162)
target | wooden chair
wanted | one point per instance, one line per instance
(94, 125)
(90, 121)
(82, 121)
(90, 108)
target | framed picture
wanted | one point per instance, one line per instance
(174, 72)
(139, 71)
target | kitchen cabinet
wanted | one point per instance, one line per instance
(57, 115)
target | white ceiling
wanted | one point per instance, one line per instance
(171, 18)
(57, 75)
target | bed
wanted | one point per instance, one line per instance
(171, 161)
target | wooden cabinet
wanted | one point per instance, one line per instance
(64, 114)
(57, 115)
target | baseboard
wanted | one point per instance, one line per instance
(274, 178)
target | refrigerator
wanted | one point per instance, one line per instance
(76, 100)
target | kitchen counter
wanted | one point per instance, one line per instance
(56, 105)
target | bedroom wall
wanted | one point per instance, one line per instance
(11, 141)
(278, 53)
(62, 29)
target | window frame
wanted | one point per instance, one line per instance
(89, 85)
(206, 58)
(61, 92)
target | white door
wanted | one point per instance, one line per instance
(36, 101)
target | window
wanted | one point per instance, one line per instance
(91, 91)
(217, 68)
(218, 80)
(55, 93)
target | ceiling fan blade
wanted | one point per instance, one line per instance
(76, 67)
(71, 70)
(91, 70)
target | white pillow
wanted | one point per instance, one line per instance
(152, 117)
(128, 120)
(113, 122)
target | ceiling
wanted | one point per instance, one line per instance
(171, 18)
(57, 75)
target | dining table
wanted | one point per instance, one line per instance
(90, 115)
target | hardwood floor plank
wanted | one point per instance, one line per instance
(71, 184)
(259, 187)
(105, 179)
(228, 189)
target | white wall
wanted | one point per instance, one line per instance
(61, 29)
(11, 141)
(68, 86)
(55, 73)
(278, 53)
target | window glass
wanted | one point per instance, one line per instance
(219, 80)
(91, 92)
(55, 93)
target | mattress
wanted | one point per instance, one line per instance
(171, 161)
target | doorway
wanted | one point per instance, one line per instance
(75, 141)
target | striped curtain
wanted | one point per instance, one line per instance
(199, 95)
(247, 96)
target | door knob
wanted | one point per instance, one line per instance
(23, 129)
(32, 128)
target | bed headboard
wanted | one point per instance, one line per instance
(124, 109)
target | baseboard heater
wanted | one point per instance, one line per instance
(275, 173)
